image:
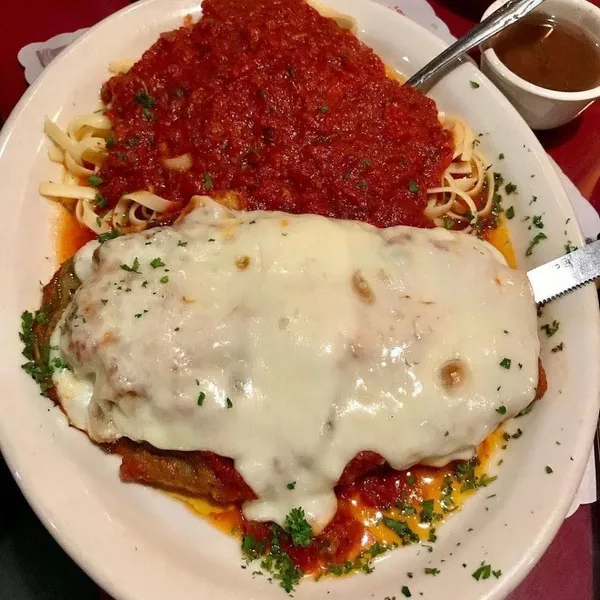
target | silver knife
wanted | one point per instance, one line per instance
(565, 274)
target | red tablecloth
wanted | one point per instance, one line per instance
(566, 570)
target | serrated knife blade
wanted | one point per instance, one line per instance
(565, 274)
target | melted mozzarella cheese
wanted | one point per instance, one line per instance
(292, 342)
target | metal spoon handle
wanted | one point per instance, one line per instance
(503, 17)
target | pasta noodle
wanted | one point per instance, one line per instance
(82, 148)
(463, 182)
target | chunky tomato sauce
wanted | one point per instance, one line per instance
(281, 106)
(368, 490)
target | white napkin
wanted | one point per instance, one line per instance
(34, 57)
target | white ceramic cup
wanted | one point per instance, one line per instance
(540, 107)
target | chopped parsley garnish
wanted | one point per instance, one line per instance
(109, 235)
(526, 410)
(110, 142)
(548, 470)
(298, 527)
(324, 108)
(291, 485)
(510, 212)
(164, 279)
(505, 363)
(428, 513)
(366, 162)
(534, 242)
(474, 85)
(485, 480)
(363, 562)
(537, 221)
(58, 363)
(402, 530)
(95, 181)
(138, 315)
(133, 268)
(550, 328)
(280, 565)
(207, 180)
(103, 300)
(510, 188)
(497, 573)
(501, 156)
(517, 435)
(446, 501)
(559, 348)
(406, 592)
(432, 537)
(448, 222)
(431, 571)
(413, 187)
(569, 247)
(121, 156)
(501, 410)
(211, 239)
(157, 262)
(465, 475)
(362, 185)
(406, 509)
(411, 480)
(483, 572)
(229, 403)
(100, 201)
(145, 100)
(182, 244)
(251, 547)
(201, 398)
(41, 373)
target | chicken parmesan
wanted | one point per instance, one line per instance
(307, 351)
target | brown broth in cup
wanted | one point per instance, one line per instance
(550, 53)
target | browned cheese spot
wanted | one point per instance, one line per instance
(441, 245)
(108, 338)
(229, 232)
(242, 262)
(361, 287)
(383, 275)
(453, 373)
(400, 238)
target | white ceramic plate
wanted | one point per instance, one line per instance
(141, 545)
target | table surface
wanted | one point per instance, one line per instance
(33, 567)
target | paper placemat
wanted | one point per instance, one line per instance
(35, 57)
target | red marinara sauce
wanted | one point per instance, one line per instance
(281, 106)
